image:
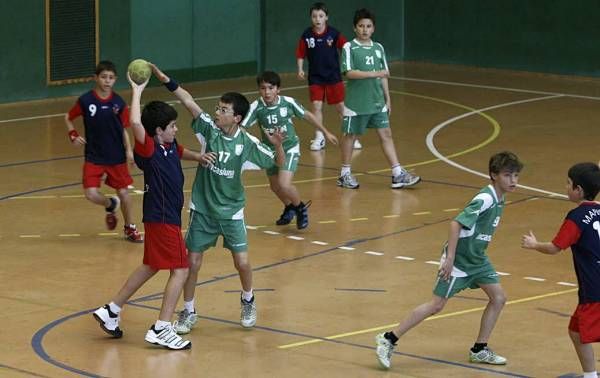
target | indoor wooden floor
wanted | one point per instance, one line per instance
(367, 258)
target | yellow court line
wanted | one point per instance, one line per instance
(358, 219)
(422, 213)
(327, 221)
(451, 314)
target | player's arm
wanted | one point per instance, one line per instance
(276, 140)
(386, 93)
(74, 136)
(203, 159)
(300, 55)
(182, 95)
(529, 241)
(135, 113)
(453, 233)
(127, 145)
(357, 74)
(315, 122)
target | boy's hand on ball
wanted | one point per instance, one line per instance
(159, 74)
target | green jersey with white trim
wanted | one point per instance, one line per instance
(479, 221)
(363, 96)
(218, 190)
(272, 117)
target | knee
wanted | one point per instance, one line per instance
(195, 262)
(437, 306)
(90, 195)
(242, 266)
(499, 299)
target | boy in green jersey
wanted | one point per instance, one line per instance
(465, 264)
(218, 198)
(274, 112)
(367, 103)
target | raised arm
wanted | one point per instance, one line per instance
(135, 113)
(182, 95)
(530, 242)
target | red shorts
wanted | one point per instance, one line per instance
(333, 92)
(164, 247)
(586, 321)
(117, 176)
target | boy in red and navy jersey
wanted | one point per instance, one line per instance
(159, 155)
(581, 231)
(107, 148)
(320, 44)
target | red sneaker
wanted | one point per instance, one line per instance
(111, 218)
(132, 234)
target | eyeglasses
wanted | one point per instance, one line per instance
(223, 110)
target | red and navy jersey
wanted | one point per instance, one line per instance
(322, 51)
(581, 232)
(104, 120)
(163, 180)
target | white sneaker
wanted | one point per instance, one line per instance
(185, 322)
(486, 356)
(248, 314)
(317, 144)
(167, 338)
(357, 145)
(404, 180)
(109, 321)
(347, 181)
(384, 351)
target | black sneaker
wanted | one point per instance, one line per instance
(289, 212)
(302, 215)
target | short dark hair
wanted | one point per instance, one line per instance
(269, 77)
(105, 65)
(318, 6)
(587, 176)
(238, 101)
(504, 161)
(363, 13)
(157, 114)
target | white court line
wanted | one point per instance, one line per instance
(503, 273)
(431, 262)
(271, 232)
(404, 258)
(251, 227)
(346, 248)
(374, 253)
(319, 242)
(437, 154)
(566, 284)
(538, 279)
(295, 237)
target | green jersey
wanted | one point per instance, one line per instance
(479, 221)
(278, 116)
(217, 190)
(363, 96)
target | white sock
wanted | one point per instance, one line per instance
(397, 170)
(189, 306)
(345, 169)
(114, 308)
(247, 295)
(591, 374)
(160, 325)
(319, 135)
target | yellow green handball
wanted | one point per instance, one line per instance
(139, 71)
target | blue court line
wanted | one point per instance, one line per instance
(350, 289)
(2, 366)
(561, 314)
(39, 161)
(237, 291)
(291, 333)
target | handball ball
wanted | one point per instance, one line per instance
(139, 71)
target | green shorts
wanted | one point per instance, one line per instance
(204, 230)
(358, 124)
(292, 157)
(447, 289)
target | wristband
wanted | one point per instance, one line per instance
(73, 134)
(171, 85)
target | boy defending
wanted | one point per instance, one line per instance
(218, 198)
(581, 231)
(465, 264)
(274, 112)
(320, 44)
(107, 148)
(158, 154)
(368, 103)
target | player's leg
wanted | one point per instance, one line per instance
(497, 299)
(130, 230)
(299, 207)
(385, 342)
(335, 94)
(400, 177)
(585, 353)
(247, 301)
(92, 176)
(317, 95)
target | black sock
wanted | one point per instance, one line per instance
(112, 206)
(391, 337)
(478, 347)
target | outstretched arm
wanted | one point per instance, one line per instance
(313, 120)
(135, 113)
(203, 159)
(182, 95)
(530, 242)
